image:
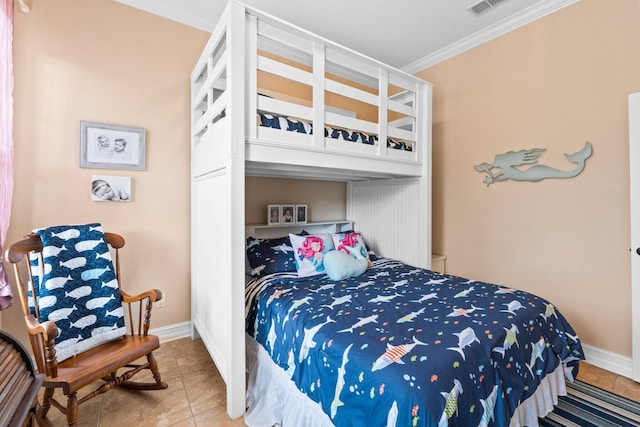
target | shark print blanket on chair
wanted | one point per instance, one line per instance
(77, 287)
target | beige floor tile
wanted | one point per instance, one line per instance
(158, 408)
(196, 363)
(205, 392)
(186, 423)
(596, 376)
(217, 418)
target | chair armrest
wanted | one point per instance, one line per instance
(48, 329)
(153, 295)
(43, 335)
(143, 323)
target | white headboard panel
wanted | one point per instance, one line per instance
(262, 231)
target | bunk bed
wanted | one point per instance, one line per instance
(271, 99)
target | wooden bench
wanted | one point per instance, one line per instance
(19, 383)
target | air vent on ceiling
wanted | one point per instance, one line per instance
(483, 6)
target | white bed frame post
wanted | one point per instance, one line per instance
(425, 123)
(383, 95)
(236, 381)
(251, 63)
(318, 93)
(218, 198)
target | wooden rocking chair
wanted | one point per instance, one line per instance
(97, 363)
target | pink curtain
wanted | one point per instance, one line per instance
(6, 137)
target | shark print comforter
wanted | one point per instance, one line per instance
(402, 346)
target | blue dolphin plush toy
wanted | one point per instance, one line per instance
(339, 265)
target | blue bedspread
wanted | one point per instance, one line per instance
(410, 347)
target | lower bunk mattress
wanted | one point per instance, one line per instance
(402, 346)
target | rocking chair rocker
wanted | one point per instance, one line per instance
(96, 361)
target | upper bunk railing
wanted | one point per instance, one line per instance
(294, 73)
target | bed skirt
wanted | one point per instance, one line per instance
(274, 400)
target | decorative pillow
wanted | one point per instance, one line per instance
(268, 256)
(309, 252)
(340, 265)
(77, 288)
(351, 239)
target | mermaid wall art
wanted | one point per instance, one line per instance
(507, 166)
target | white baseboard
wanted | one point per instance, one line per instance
(612, 362)
(604, 359)
(172, 332)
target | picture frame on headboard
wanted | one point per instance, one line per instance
(107, 146)
(287, 213)
(273, 214)
(301, 214)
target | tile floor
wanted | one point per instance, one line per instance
(196, 393)
(195, 397)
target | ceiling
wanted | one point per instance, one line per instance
(413, 34)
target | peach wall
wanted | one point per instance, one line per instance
(105, 62)
(325, 200)
(553, 84)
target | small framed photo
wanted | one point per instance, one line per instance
(287, 213)
(107, 188)
(105, 146)
(301, 214)
(273, 214)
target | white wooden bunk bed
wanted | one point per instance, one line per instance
(257, 71)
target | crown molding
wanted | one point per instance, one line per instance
(528, 15)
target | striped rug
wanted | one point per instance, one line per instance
(586, 406)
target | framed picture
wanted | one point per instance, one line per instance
(105, 146)
(273, 214)
(286, 214)
(301, 214)
(106, 188)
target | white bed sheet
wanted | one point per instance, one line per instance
(274, 400)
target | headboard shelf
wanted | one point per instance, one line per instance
(279, 230)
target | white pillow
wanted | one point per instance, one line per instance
(309, 252)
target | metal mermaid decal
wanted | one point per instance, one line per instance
(507, 165)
